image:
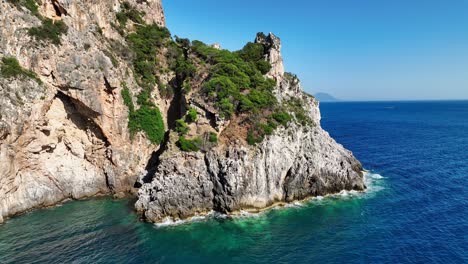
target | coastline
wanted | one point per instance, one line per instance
(245, 212)
(369, 178)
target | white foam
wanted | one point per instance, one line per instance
(168, 221)
(373, 182)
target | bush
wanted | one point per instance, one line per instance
(189, 145)
(263, 66)
(255, 52)
(49, 31)
(192, 115)
(295, 106)
(184, 68)
(222, 86)
(128, 13)
(127, 98)
(10, 68)
(213, 137)
(238, 77)
(181, 127)
(226, 108)
(31, 5)
(252, 52)
(149, 120)
(281, 117)
(145, 43)
(252, 139)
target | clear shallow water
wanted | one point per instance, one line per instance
(417, 213)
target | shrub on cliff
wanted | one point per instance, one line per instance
(189, 145)
(192, 115)
(128, 13)
(149, 120)
(145, 42)
(10, 68)
(181, 127)
(281, 117)
(31, 5)
(213, 137)
(255, 52)
(49, 31)
(127, 98)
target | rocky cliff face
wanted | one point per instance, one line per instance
(294, 163)
(66, 137)
(64, 134)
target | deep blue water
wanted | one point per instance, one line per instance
(416, 213)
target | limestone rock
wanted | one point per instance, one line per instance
(67, 137)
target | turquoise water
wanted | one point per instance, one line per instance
(417, 212)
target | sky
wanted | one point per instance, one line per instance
(352, 49)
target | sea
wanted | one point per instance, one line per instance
(415, 209)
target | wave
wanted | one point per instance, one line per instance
(168, 221)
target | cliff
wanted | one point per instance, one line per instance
(93, 101)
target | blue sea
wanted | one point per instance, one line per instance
(415, 210)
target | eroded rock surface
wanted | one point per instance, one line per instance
(67, 137)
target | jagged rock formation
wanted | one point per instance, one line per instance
(65, 135)
(294, 163)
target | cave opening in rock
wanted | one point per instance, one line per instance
(176, 106)
(59, 10)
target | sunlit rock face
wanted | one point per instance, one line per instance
(66, 136)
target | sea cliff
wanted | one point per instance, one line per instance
(98, 98)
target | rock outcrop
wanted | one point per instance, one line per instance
(64, 135)
(294, 163)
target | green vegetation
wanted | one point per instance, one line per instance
(238, 87)
(10, 68)
(149, 120)
(213, 137)
(236, 84)
(254, 52)
(192, 115)
(189, 145)
(128, 13)
(295, 106)
(145, 42)
(252, 139)
(181, 127)
(127, 97)
(281, 117)
(49, 31)
(31, 5)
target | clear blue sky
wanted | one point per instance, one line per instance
(353, 49)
